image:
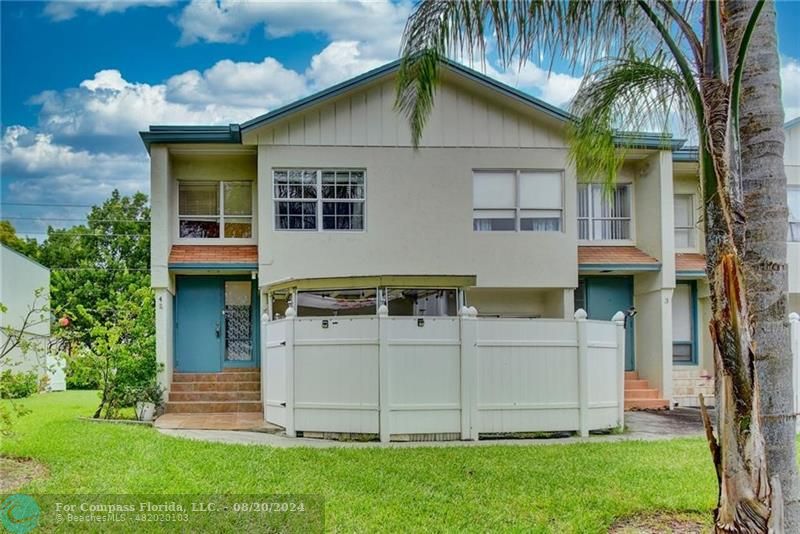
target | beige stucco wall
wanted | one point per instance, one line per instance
(519, 302)
(418, 219)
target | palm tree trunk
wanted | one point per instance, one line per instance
(739, 449)
(764, 192)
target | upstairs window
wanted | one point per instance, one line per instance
(685, 232)
(794, 212)
(517, 201)
(319, 199)
(210, 210)
(604, 215)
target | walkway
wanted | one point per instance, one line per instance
(677, 423)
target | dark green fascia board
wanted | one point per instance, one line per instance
(688, 154)
(648, 140)
(230, 134)
(594, 267)
(392, 67)
(214, 266)
(792, 123)
(690, 275)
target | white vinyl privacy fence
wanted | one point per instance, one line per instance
(794, 325)
(464, 376)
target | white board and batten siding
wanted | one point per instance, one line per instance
(460, 118)
(403, 376)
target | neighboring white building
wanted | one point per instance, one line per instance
(20, 280)
(324, 205)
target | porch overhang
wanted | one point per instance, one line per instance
(213, 258)
(608, 259)
(391, 280)
(690, 266)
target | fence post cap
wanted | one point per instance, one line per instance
(473, 311)
(794, 317)
(464, 311)
(619, 318)
(383, 310)
(580, 314)
(290, 313)
(264, 318)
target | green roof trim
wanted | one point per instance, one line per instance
(214, 266)
(390, 68)
(594, 267)
(233, 132)
(688, 154)
(230, 134)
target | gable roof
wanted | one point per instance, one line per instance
(233, 132)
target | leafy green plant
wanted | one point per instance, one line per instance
(18, 385)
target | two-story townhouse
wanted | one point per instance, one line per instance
(693, 364)
(325, 206)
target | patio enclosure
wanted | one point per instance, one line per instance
(455, 376)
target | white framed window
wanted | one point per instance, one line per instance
(604, 215)
(517, 200)
(319, 199)
(793, 192)
(215, 210)
(685, 230)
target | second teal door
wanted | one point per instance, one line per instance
(605, 296)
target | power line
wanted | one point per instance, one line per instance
(14, 217)
(84, 235)
(47, 204)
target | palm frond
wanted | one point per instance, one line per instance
(623, 94)
(580, 32)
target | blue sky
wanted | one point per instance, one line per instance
(79, 79)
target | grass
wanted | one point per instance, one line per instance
(544, 488)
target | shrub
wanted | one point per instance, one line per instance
(18, 385)
(82, 373)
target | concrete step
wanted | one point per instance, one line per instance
(634, 394)
(213, 406)
(636, 384)
(216, 386)
(646, 404)
(632, 375)
(225, 376)
(214, 396)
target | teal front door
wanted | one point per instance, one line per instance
(606, 295)
(215, 323)
(198, 324)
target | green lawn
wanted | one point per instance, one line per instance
(553, 488)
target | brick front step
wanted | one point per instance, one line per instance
(214, 396)
(213, 406)
(636, 384)
(631, 375)
(634, 394)
(225, 376)
(646, 404)
(215, 386)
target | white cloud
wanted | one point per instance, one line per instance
(790, 78)
(339, 61)
(553, 87)
(65, 10)
(377, 25)
(36, 168)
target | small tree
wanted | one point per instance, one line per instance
(119, 342)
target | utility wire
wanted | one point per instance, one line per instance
(47, 204)
(14, 217)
